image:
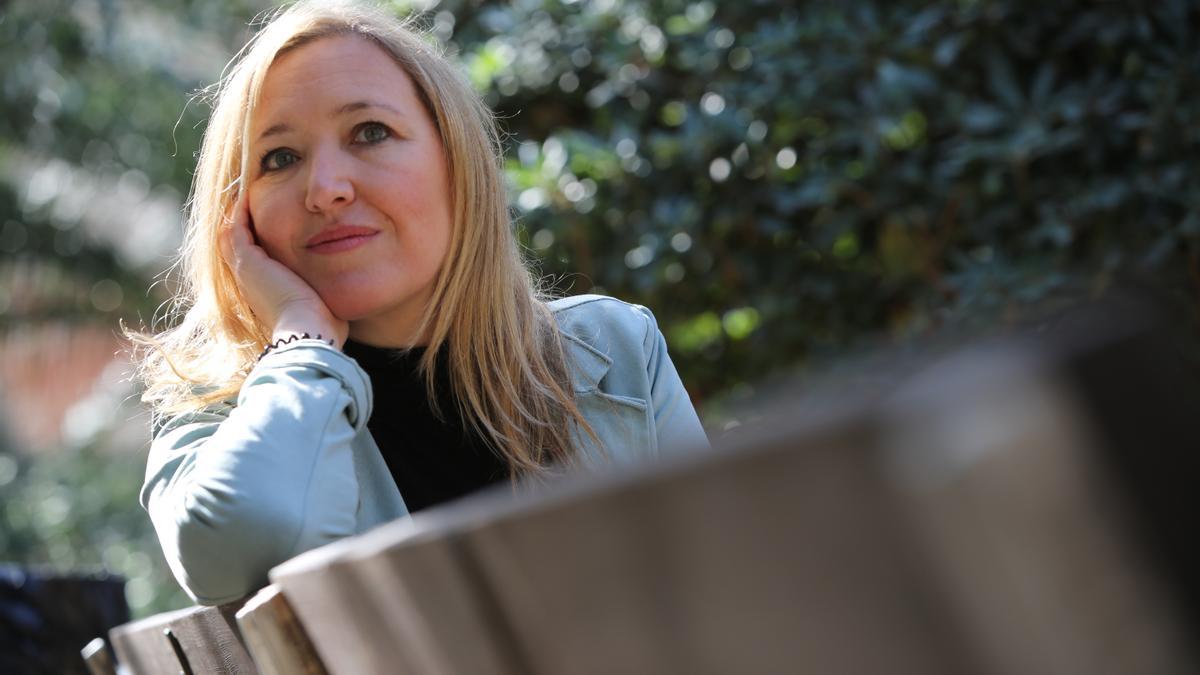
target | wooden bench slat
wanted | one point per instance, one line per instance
(785, 558)
(274, 636)
(143, 649)
(404, 609)
(998, 468)
(96, 657)
(191, 640)
(211, 641)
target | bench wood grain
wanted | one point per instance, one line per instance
(143, 648)
(211, 641)
(274, 636)
(97, 658)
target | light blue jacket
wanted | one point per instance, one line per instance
(235, 490)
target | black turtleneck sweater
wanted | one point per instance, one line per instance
(432, 460)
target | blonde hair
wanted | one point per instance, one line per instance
(487, 317)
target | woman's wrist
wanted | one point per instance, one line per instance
(293, 324)
(290, 338)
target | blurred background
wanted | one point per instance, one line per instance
(785, 187)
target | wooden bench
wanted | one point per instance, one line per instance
(259, 635)
(966, 520)
(193, 640)
(145, 646)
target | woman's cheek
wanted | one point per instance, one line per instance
(265, 229)
(276, 249)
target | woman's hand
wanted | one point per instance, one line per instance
(277, 295)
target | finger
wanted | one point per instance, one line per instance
(224, 245)
(239, 210)
(237, 231)
(239, 214)
(233, 254)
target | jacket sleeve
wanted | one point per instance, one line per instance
(235, 490)
(675, 420)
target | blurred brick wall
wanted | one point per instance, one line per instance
(44, 371)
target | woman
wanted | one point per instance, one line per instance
(348, 215)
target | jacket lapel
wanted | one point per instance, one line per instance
(587, 364)
(622, 424)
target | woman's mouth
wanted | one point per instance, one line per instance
(340, 238)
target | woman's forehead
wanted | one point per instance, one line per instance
(330, 76)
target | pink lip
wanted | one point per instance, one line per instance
(340, 238)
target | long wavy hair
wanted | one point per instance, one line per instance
(487, 316)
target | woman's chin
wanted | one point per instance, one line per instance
(370, 310)
(351, 314)
(350, 308)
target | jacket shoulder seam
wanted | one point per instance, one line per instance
(559, 305)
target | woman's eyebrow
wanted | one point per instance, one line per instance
(361, 105)
(354, 106)
(274, 130)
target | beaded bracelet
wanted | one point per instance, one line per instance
(289, 339)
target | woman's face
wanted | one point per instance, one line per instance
(347, 183)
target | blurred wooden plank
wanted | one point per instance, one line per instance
(274, 636)
(97, 658)
(211, 641)
(784, 556)
(143, 648)
(393, 601)
(999, 463)
(781, 557)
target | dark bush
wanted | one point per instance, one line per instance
(779, 183)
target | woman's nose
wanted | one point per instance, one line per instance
(329, 182)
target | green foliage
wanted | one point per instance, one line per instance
(89, 119)
(844, 170)
(96, 150)
(75, 511)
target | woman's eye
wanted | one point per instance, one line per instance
(278, 159)
(371, 132)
